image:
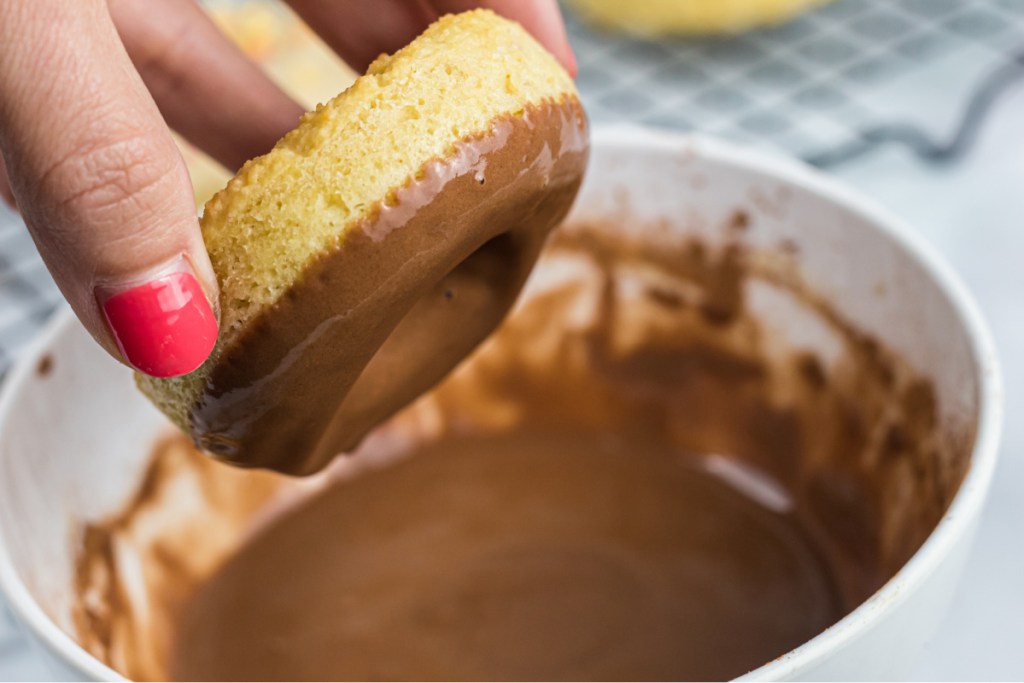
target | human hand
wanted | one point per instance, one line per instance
(88, 94)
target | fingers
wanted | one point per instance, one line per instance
(540, 17)
(206, 88)
(360, 30)
(102, 186)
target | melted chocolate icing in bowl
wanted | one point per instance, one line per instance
(636, 477)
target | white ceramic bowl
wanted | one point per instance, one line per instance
(74, 440)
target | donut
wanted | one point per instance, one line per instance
(379, 243)
(683, 17)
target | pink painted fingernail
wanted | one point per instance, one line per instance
(164, 327)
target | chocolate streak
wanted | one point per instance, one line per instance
(407, 295)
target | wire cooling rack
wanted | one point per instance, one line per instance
(823, 81)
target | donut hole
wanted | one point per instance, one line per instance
(493, 265)
(450, 317)
(448, 320)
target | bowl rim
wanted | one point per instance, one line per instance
(962, 512)
(13, 590)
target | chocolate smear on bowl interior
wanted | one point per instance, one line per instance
(634, 477)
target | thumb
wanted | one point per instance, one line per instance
(102, 186)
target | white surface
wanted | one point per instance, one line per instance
(869, 642)
(974, 214)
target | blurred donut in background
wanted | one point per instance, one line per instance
(688, 17)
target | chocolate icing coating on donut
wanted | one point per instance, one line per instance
(406, 295)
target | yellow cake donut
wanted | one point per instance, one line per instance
(666, 17)
(379, 242)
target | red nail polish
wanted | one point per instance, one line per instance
(164, 327)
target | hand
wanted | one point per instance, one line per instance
(87, 92)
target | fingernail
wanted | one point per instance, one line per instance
(164, 327)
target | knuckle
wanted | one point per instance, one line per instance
(108, 177)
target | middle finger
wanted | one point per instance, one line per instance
(360, 30)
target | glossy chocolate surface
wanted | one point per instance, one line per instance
(405, 297)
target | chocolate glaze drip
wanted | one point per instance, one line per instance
(405, 297)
